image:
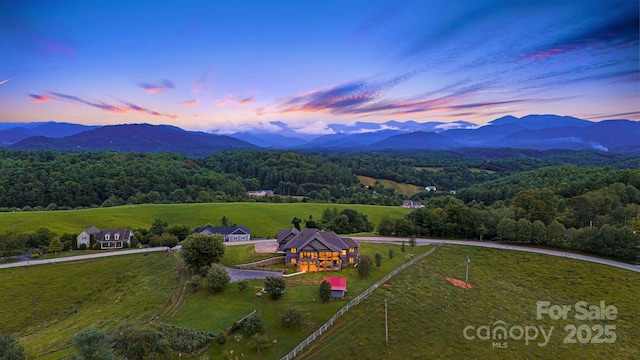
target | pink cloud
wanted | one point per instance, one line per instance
(39, 98)
(193, 102)
(237, 100)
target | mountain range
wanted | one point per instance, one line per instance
(538, 132)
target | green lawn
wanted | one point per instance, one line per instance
(215, 312)
(43, 306)
(243, 254)
(407, 190)
(427, 315)
(263, 219)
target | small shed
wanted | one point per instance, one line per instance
(338, 287)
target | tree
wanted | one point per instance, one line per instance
(412, 241)
(364, 266)
(325, 291)
(180, 231)
(55, 245)
(159, 227)
(391, 254)
(216, 279)
(93, 344)
(166, 239)
(385, 226)
(253, 324)
(296, 223)
(378, 258)
(200, 251)
(310, 223)
(224, 220)
(291, 318)
(140, 343)
(538, 232)
(259, 342)
(9, 349)
(274, 286)
(402, 248)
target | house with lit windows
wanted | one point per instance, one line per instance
(108, 239)
(315, 250)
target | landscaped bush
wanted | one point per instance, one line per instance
(82, 247)
(35, 255)
(184, 339)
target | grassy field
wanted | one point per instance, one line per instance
(427, 314)
(215, 312)
(407, 190)
(263, 219)
(43, 306)
(243, 254)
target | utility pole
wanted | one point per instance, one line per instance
(386, 324)
(466, 278)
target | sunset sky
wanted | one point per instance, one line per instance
(239, 65)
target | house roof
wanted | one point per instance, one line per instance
(92, 230)
(222, 230)
(337, 283)
(311, 237)
(284, 233)
(124, 234)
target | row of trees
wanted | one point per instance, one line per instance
(47, 180)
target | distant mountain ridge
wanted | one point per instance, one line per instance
(535, 132)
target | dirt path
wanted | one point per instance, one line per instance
(179, 295)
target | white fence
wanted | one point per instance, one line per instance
(292, 354)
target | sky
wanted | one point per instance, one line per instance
(227, 66)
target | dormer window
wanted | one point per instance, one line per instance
(116, 236)
(106, 236)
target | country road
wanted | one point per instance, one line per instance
(420, 242)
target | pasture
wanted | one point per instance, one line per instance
(263, 219)
(428, 315)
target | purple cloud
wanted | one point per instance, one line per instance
(108, 107)
(162, 86)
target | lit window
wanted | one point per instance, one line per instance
(344, 252)
(293, 250)
(293, 261)
(351, 250)
(350, 260)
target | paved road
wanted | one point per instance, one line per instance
(29, 262)
(489, 244)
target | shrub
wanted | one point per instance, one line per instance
(391, 254)
(216, 279)
(243, 285)
(378, 258)
(184, 339)
(194, 283)
(82, 247)
(274, 286)
(253, 324)
(35, 255)
(291, 318)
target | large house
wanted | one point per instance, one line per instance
(410, 204)
(316, 250)
(108, 239)
(230, 233)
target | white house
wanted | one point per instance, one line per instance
(230, 233)
(108, 239)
